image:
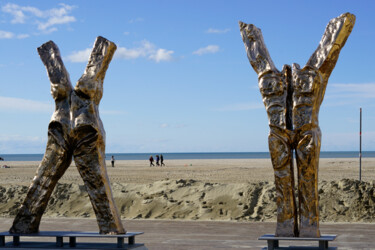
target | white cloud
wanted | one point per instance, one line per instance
(46, 20)
(217, 31)
(9, 35)
(126, 33)
(146, 50)
(79, 56)
(162, 55)
(241, 107)
(6, 34)
(210, 49)
(10, 104)
(56, 20)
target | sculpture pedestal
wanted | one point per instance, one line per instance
(273, 242)
(59, 235)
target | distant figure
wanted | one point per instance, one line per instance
(151, 161)
(1, 158)
(162, 160)
(113, 161)
(157, 160)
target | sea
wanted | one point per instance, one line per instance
(185, 156)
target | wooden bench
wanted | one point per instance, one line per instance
(273, 242)
(72, 237)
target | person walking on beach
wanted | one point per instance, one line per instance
(161, 160)
(157, 160)
(113, 161)
(151, 161)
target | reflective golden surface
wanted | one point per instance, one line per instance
(292, 99)
(75, 130)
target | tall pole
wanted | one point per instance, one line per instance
(360, 144)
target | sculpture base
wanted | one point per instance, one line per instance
(59, 235)
(273, 242)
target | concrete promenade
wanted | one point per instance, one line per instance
(163, 234)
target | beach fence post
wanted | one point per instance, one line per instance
(360, 144)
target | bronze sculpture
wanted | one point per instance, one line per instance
(75, 130)
(292, 99)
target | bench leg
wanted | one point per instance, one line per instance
(16, 240)
(120, 242)
(271, 244)
(131, 240)
(59, 241)
(72, 241)
(2, 240)
(323, 244)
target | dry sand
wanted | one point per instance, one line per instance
(240, 189)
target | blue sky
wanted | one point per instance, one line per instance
(180, 80)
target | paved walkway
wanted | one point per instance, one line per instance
(162, 234)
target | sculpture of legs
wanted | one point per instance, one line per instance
(75, 129)
(302, 93)
(307, 155)
(54, 164)
(282, 161)
(89, 156)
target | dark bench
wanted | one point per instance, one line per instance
(72, 237)
(273, 242)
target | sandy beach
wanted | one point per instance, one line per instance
(234, 190)
(214, 171)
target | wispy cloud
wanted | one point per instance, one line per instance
(79, 56)
(46, 20)
(9, 35)
(173, 126)
(240, 107)
(345, 141)
(210, 49)
(362, 90)
(162, 55)
(21, 144)
(136, 20)
(10, 104)
(6, 34)
(164, 125)
(339, 94)
(112, 112)
(217, 31)
(145, 50)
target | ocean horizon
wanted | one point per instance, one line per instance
(196, 155)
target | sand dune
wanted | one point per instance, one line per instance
(340, 201)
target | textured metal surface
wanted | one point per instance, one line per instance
(75, 130)
(292, 99)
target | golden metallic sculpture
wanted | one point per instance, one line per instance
(75, 131)
(292, 99)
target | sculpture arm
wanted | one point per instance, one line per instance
(326, 55)
(60, 82)
(91, 82)
(256, 49)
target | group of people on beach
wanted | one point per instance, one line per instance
(151, 159)
(161, 159)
